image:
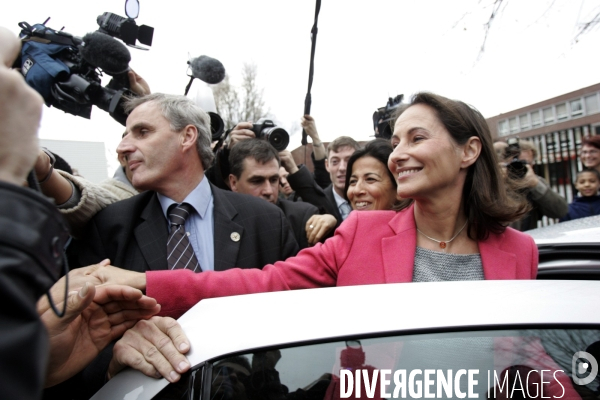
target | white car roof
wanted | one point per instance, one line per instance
(583, 230)
(218, 327)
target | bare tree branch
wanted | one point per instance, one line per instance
(488, 25)
(544, 13)
(244, 103)
(587, 27)
(227, 102)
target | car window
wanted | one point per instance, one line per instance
(525, 363)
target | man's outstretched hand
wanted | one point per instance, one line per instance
(95, 316)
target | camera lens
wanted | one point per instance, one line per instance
(217, 126)
(277, 137)
(517, 169)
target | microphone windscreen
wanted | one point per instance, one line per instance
(105, 52)
(207, 69)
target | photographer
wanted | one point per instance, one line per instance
(255, 168)
(519, 158)
(299, 178)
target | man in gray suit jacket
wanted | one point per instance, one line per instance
(167, 148)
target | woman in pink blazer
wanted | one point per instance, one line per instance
(454, 211)
(449, 225)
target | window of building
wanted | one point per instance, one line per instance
(536, 119)
(514, 126)
(576, 108)
(561, 111)
(548, 115)
(524, 122)
(503, 128)
(591, 104)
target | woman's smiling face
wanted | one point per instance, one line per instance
(370, 186)
(426, 160)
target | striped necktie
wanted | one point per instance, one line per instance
(180, 253)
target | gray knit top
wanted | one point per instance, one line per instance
(435, 266)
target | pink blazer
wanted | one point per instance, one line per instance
(368, 248)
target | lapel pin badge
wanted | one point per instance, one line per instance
(235, 236)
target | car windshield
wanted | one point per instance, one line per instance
(522, 363)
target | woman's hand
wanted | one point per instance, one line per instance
(318, 226)
(109, 275)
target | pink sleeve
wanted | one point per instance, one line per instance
(535, 259)
(318, 266)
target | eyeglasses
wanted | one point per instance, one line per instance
(586, 152)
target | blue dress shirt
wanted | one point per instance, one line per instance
(200, 224)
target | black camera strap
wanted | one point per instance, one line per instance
(313, 36)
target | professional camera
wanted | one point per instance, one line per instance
(66, 70)
(125, 29)
(265, 129)
(382, 118)
(516, 167)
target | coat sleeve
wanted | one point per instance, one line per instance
(305, 186)
(550, 203)
(322, 177)
(31, 241)
(94, 197)
(318, 266)
(535, 258)
(289, 244)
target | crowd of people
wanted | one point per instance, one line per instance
(179, 223)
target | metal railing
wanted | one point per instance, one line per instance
(558, 161)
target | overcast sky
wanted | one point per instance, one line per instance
(366, 52)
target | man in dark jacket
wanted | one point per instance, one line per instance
(254, 166)
(167, 148)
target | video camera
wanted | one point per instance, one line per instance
(516, 167)
(66, 70)
(382, 118)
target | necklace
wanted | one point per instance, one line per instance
(443, 243)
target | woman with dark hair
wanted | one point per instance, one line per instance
(590, 152)
(446, 169)
(450, 225)
(369, 183)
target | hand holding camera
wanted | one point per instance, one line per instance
(264, 129)
(530, 179)
(242, 131)
(20, 113)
